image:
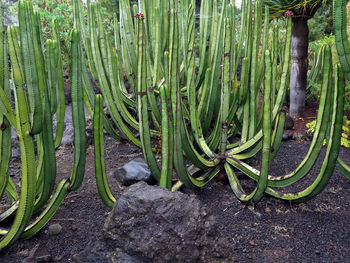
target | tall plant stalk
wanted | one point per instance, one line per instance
(159, 86)
(38, 94)
(203, 118)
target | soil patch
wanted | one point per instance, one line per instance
(309, 115)
(272, 231)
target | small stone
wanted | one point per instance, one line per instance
(251, 207)
(54, 229)
(45, 258)
(207, 224)
(33, 251)
(134, 171)
(23, 253)
(58, 258)
(289, 123)
(252, 243)
(298, 137)
(75, 257)
(124, 258)
(287, 136)
(68, 133)
(258, 214)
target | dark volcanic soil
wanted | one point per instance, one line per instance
(276, 231)
(273, 231)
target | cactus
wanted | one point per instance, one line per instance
(194, 91)
(38, 95)
(343, 49)
(5, 131)
(180, 71)
(201, 113)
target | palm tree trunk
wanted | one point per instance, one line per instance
(298, 78)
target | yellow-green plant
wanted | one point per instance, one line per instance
(345, 131)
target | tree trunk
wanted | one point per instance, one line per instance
(298, 78)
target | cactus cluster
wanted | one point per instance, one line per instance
(343, 49)
(38, 94)
(194, 101)
(191, 99)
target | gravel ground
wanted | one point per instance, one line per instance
(277, 231)
(272, 231)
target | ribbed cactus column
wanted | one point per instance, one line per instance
(5, 128)
(343, 49)
(38, 95)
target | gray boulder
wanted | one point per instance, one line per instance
(152, 224)
(132, 172)
(68, 133)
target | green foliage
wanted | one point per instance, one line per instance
(62, 12)
(345, 131)
(298, 7)
(314, 46)
(321, 25)
(314, 75)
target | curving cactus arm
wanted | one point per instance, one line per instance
(341, 36)
(5, 128)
